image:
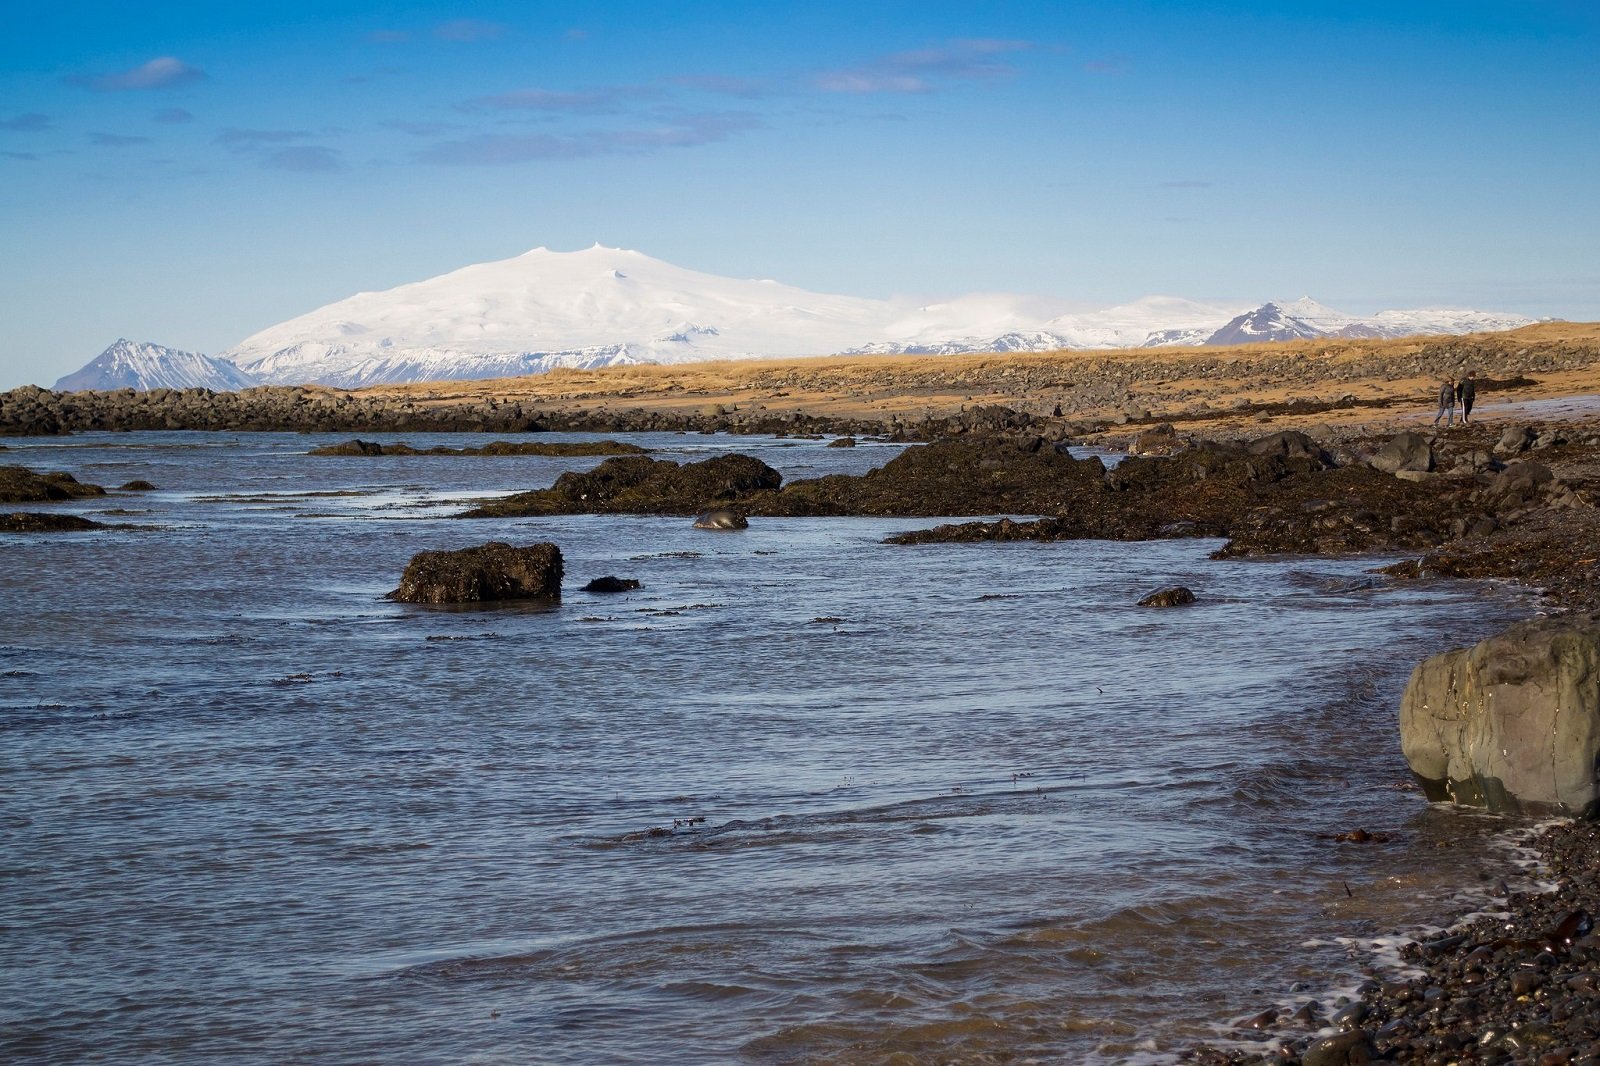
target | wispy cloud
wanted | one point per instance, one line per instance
(238, 140)
(924, 70)
(468, 30)
(32, 122)
(163, 72)
(682, 131)
(26, 157)
(305, 159)
(603, 100)
(115, 140)
(173, 116)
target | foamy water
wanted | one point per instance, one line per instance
(804, 797)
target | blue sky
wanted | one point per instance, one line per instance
(190, 173)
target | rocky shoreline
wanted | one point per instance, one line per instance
(1514, 502)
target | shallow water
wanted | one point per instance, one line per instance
(954, 802)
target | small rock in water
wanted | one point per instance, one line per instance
(611, 584)
(137, 485)
(1177, 596)
(493, 571)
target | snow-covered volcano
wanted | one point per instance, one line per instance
(547, 309)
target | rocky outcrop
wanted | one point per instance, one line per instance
(18, 484)
(37, 522)
(640, 485)
(492, 571)
(497, 447)
(1512, 723)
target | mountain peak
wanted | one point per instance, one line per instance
(142, 365)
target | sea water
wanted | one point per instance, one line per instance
(802, 797)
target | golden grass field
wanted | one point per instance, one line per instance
(1402, 373)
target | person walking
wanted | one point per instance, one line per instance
(1466, 392)
(1447, 403)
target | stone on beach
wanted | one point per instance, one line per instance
(493, 571)
(1404, 451)
(1512, 723)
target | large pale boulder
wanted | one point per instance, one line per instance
(1512, 723)
(1404, 452)
(492, 571)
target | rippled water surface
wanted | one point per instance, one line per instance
(804, 797)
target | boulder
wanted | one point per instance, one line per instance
(136, 485)
(842, 442)
(1291, 444)
(611, 584)
(1177, 596)
(1512, 723)
(1342, 1049)
(1514, 440)
(1405, 451)
(492, 571)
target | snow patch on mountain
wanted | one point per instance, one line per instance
(130, 365)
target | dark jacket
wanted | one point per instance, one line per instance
(1447, 395)
(1467, 391)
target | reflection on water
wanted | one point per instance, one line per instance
(804, 797)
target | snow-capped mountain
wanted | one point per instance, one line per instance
(127, 365)
(606, 306)
(1305, 319)
(547, 309)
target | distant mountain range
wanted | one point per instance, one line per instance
(607, 306)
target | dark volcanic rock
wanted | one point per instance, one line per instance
(498, 447)
(36, 522)
(1177, 596)
(611, 584)
(136, 485)
(493, 571)
(640, 485)
(18, 484)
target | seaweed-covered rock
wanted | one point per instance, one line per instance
(637, 484)
(136, 485)
(1177, 596)
(1512, 723)
(38, 522)
(494, 447)
(610, 583)
(18, 484)
(493, 571)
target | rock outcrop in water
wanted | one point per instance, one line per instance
(39, 522)
(493, 571)
(18, 484)
(1513, 723)
(640, 485)
(497, 447)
